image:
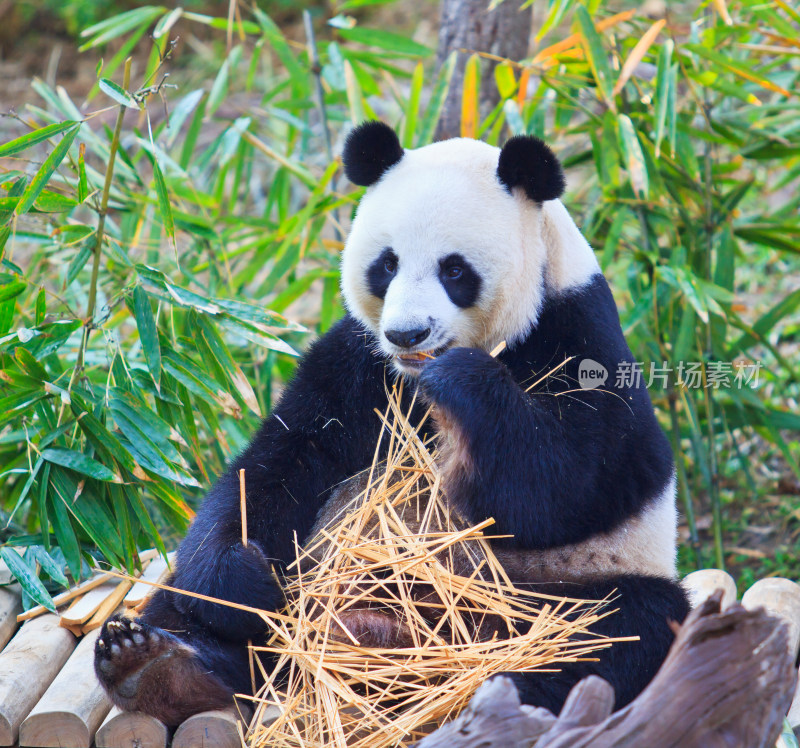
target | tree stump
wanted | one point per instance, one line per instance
(470, 25)
(728, 680)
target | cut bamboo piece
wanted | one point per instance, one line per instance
(85, 607)
(72, 708)
(156, 570)
(28, 665)
(107, 607)
(217, 729)
(10, 607)
(782, 598)
(131, 730)
(65, 597)
(701, 584)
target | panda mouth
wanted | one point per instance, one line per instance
(418, 359)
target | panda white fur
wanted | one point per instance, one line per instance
(455, 247)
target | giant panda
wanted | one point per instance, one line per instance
(455, 247)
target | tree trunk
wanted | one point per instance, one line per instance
(727, 681)
(468, 25)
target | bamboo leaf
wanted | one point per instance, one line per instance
(736, 68)
(51, 568)
(120, 24)
(662, 96)
(574, 40)
(42, 176)
(220, 353)
(148, 334)
(638, 53)
(32, 138)
(505, 79)
(62, 526)
(434, 109)
(556, 12)
(354, 95)
(27, 578)
(470, 113)
(118, 93)
(412, 106)
(597, 57)
(164, 207)
(634, 158)
(387, 40)
(79, 462)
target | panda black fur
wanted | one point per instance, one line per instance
(455, 247)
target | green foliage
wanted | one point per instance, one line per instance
(146, 268)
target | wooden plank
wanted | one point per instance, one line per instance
(73, 706)
(215, 729)
(10, 607)
(701, 584)
(84, 608)
(28, 665)
(131, 730)
(109, 605)
(156, 571)
(65, 597)
(781, 597)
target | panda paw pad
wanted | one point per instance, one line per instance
(125, 645)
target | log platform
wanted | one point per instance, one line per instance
(49, 695)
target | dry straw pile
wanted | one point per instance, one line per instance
(398, 552)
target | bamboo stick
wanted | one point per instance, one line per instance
(65, 597)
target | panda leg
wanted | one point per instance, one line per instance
(646, 606)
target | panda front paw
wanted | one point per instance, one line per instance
(454, 379)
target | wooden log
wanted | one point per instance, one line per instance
(156, 571)
(28, 665)
(10, 607)
(701, 584)
(493, 718)
(727, 681)
(73, 706)
(85, 607)
(107, 607)
(781, 597)
(216, 729)
(131, 730)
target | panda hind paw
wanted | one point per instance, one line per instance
(124, 646)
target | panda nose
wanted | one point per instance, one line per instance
(407, 338)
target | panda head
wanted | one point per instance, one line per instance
(454, 244)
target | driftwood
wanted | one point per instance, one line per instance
(728, 681)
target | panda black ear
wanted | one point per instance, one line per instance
(527, 162)
(371, 149)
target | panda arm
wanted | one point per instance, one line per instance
(322, 431)
(551, 470)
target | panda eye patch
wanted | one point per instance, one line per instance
(460, 280)
(381, 272)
